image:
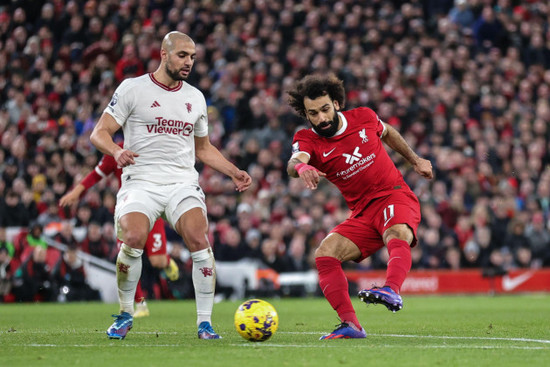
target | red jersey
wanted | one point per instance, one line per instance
(354, 159)
(104, 168)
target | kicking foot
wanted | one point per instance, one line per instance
(385, 296)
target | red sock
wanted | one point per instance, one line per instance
(399, 263)
(334, 285)
(139, 293)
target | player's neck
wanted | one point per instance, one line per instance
(165, 80)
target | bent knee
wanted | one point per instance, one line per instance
(400, 232)
(323, 251)
(158, 261)
(135, 238)
(196, 243)
(338, 247)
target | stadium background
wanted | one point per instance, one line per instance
(467, 83)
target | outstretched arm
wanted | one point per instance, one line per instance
(297, 167)
(71, 198)
(211, 156)
(104, 168)
(395, 141)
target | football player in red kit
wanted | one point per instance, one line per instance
(346, 148)
(155, 246)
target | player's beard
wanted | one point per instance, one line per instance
(174, 74)
(327, 133)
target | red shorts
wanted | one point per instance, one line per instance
(366, 229)
(156, 240)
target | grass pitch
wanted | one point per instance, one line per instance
(429, 331)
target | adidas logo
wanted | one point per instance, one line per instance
(155, 104)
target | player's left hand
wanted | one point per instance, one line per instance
(242, 180)
(424, 168)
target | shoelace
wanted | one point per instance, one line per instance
(341, 326)
(120, 318)
(207, 329)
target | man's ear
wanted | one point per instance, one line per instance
(336, 105)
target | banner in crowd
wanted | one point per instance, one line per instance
(462, 281)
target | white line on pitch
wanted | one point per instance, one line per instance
(444, 337)
(270, 345)
(544, 341)
(464, 346)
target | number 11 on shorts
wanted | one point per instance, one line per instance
(388, 214)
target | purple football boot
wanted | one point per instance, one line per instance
(385, 296)
(345, 331)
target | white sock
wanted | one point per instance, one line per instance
(204, 282)
(128, 272)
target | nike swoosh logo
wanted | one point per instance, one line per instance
(327, 154)
(509, 283)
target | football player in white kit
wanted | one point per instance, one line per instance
(165, 127)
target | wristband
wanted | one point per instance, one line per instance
(301, 167)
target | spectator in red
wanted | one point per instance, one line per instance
(129, 65)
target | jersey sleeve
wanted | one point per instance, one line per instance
(91, 179)
(122, 102)
(104, 168)
(201, 126)
(300, 144)
(378, 125)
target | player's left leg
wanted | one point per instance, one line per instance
(401, 216)
(193, 226)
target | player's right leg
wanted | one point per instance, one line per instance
(330, 254)
(133, 228)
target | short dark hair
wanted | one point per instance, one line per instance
(315, 86)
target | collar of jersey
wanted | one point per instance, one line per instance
(177, 87)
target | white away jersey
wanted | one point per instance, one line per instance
(159, 124)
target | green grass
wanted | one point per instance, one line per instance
(429, 331)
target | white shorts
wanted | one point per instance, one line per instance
(153, 200)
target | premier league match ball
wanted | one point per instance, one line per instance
(256, 320)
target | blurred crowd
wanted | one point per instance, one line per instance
(467, 83)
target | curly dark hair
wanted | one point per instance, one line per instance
(315, 86)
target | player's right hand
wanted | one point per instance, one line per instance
(242, 180)
(69, 199)
(309, 175)
(125, 157)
